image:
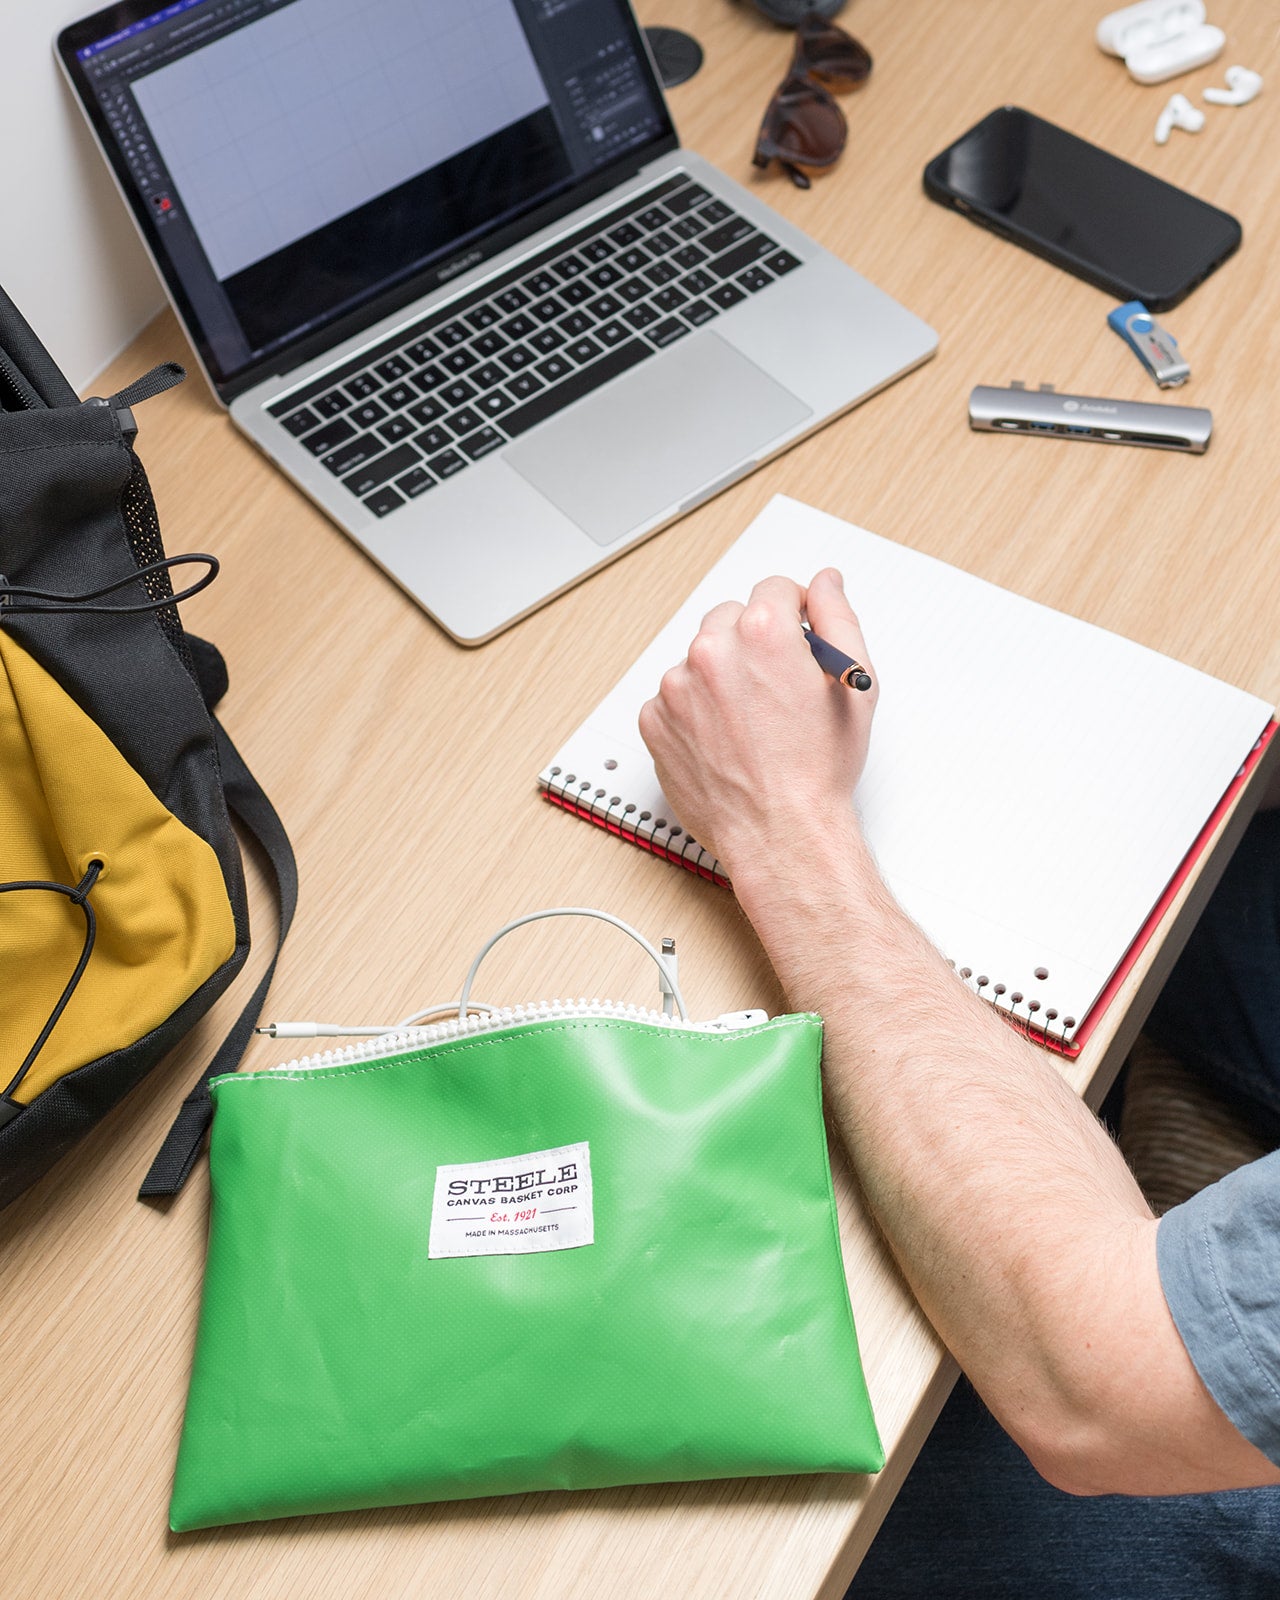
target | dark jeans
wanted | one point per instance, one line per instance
(1220, 1010)
(974, 1521)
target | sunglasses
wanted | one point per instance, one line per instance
(803, 126)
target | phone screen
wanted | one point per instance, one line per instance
(1085, 209)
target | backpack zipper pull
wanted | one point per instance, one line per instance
(165, 376)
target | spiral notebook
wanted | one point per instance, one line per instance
(1036, 786)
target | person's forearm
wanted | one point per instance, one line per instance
(1013, 1216)
(975, 1157)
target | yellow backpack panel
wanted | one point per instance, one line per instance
(164, 922)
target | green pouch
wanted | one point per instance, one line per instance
(656, 1292)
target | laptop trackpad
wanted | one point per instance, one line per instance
(646, 442)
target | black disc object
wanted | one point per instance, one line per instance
(676, 55)
(787, 13)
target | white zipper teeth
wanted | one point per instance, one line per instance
(389, 1044)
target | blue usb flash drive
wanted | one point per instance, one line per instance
(1153, 345)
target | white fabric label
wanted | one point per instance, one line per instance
(515, 1205)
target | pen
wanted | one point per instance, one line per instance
(851, 673)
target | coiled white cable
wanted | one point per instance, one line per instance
(464, 1005)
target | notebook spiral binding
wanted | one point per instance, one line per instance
(595, 802)
(586, 797)
(1025, 1013)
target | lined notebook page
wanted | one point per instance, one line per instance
(1033, 781)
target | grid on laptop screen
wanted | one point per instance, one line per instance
(292, 162)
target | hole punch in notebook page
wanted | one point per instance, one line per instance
(1029, 791)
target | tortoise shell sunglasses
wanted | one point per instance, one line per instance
(803, 126)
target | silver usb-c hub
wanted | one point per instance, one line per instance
(1077, 416)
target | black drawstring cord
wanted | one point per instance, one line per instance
(18, 598)
(79, 896)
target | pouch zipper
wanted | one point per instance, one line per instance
(392, 1044)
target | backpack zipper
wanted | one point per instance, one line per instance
(17, 387)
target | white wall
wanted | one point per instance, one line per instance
(70, 259)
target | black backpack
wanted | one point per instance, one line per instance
(122, 899)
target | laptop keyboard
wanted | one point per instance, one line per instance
(393, 422)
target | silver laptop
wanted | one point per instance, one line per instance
(447, 265)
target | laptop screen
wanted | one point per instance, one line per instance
(295, 163)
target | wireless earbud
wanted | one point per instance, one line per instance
(1242, 86)
(1178, 113)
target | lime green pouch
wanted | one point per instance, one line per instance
(554, 1247)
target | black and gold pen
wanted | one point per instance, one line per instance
(849, 672)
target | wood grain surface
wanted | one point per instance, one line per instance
(404, 767)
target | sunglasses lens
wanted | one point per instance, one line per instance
(803, 124)
(830, 53)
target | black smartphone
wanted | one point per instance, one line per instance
(1082, 208)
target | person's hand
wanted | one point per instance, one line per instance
(753, 743)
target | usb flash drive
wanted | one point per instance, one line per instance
(1153, 345)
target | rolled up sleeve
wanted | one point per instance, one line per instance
(1219, 1261)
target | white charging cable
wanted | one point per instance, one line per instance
(666, 962)
(338, 1030)
(465, 1005)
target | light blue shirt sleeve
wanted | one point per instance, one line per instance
(1219, 1261)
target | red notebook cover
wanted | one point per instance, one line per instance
(1147, 931)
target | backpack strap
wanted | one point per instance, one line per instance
(247, 802)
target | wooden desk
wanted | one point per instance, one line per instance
(405, 768)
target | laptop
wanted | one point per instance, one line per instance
(446, 263)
